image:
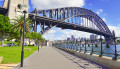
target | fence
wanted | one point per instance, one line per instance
(93, 47)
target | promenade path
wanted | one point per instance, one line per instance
(53, 58)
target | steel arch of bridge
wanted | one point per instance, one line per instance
(75, 18)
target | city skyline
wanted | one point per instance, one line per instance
(91, 37)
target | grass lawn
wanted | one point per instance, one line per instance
(13, 54)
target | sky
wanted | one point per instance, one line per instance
(108, 10)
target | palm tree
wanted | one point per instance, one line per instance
(19, 25)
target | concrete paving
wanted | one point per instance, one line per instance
(53, 58)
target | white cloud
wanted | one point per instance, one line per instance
(51, 31)
(67, 33)
(116, 29)
(104, 19)
(99, 11)
(77, 34)
(48, 4)
(49, 36)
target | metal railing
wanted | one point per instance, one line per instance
(90, 46)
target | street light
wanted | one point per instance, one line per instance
(22, 52)
(38, 43)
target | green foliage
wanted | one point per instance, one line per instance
(28, 35)
(19, 26)
(5, 42)
(5, 25)
(40, 37)
(34, 35)
(14, 35)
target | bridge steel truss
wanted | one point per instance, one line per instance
(4, 10)
(75, 18)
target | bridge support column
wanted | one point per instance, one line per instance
(35, 26)
(35, 22)
(41, 28)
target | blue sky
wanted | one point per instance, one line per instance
(108, 10)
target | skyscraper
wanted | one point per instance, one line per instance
(72, 38)
(93, 37)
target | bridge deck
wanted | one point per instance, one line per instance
(3, 10)
(52, 58)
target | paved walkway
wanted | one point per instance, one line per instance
(52, 58)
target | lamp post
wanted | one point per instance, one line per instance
(101, 47)
(22, 52)
(116, 54)
(85, 45)
(38, 44)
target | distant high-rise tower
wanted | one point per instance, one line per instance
(15, 7)
(93, 37)
(72, 38)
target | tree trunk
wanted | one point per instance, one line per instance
(29, 41)
(20, 43)
(2, 42)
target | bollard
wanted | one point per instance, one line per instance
(85, 46)
(92, 48)
(101, 52)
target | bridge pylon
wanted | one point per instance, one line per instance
(15, 7)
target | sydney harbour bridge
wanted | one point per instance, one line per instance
(75, 18)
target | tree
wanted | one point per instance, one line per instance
(36, 36)
(14, 35)
(39, 38)
(19, 25)
(28, 36)
(42, 41)
(5, 27)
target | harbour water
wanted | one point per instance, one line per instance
(109, 52)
